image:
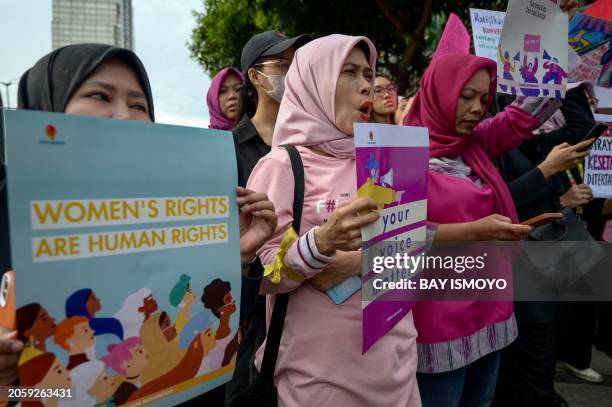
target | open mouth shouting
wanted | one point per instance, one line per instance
(365, 110)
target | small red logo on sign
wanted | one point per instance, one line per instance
(51, 132)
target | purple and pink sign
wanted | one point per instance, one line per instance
(392, 169)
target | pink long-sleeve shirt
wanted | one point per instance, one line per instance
(320, 361)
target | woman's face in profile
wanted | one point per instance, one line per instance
(111, 91)
(353, 99)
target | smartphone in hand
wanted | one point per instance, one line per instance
(543, 219)
(345, 289)
(596, 131)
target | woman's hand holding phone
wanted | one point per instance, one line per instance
(543, 219)
(564, 156)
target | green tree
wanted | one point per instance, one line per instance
(404, 32)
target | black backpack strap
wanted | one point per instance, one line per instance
(275, 330)
(298, 190)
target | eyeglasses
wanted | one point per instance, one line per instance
(281, 64)
(380, 91)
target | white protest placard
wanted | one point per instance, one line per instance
(532, 58)
(604, 95)
(487, 27)
(598, 165)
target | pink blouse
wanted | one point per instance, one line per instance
(320, 361)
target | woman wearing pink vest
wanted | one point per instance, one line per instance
(459, 342)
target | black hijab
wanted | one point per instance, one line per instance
(48, 86)
(50, 83)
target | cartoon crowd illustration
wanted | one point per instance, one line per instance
(528, 71)
(150, 352)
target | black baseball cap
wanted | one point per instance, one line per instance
(268, 43)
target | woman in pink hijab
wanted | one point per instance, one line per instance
(222, 98)
(459, 342)
(328, 88)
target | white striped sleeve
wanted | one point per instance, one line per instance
(305, 256)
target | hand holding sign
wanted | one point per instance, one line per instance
(570, 7)
(257, 221)
(9, 349)
(342, 231)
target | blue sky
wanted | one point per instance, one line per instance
(161, 30)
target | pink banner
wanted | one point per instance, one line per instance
(532, 43)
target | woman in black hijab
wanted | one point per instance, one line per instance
(54, 82)
(105, 81)
(83, 79)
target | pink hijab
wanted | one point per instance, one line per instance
(454, 39)
(435, 107)
(307, 114)
(217, 119)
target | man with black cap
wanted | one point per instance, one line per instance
(265, 61)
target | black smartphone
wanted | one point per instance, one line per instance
(596, 131)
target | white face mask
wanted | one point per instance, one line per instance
(278, 86)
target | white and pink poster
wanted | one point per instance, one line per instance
(487, 27)
(598, 165)
(533, 53)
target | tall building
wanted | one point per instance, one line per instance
(100, 21)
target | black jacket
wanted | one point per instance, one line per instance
(532, 193)
(250, 147)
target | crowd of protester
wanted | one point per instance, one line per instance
(502, 160)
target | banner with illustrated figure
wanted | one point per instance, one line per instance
(533, 54)
(392, 169)
(598, 165)
(125, 250)
(487, 27)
